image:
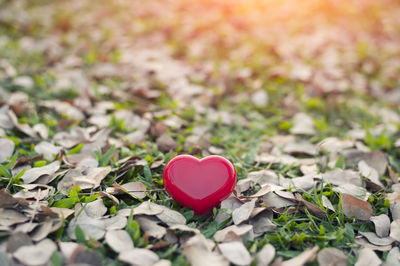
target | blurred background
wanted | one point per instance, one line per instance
(338, 61)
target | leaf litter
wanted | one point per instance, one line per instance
(85, 135)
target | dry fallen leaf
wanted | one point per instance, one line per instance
(147, 208)
(151, 227)
(10, 217)
(6, 149)
(33, 174)
(342, 177)
(235, 252)
(375, 159)
(17, 240)
(371, 174)
(119, 240)
(376, 240)
(312, 208)
(198, 253)
(361, 241)
(138, 257)
(332, 257)
(135, 189)
(265, 255)
(82, 255)
(8, 201)
(67, 249)
(41, 232)
(232, 233)
(300, 148)
(306, 256)
(48, 150)
(25, 128)
(382, 225)
(334, 145)
(166, 143)
(171, 217)
(95, 209)
(84, 178)
(351, 206)
(262, 223)
(395, 230)
(393, 257)
(263, 177)
(356, 191)
(272, 200)
(367, 257)
(243, 213)
(162, 263)
(93, 228)
(303, 124)
(38, 254)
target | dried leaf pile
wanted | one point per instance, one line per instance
(97, 96)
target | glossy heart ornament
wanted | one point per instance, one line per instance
(199, 183)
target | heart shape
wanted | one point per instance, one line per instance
(199, 183)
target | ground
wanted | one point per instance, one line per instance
(97, 96)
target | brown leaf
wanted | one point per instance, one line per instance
(356, 191)
(272, 200)
(361, 241)
(262, 223)
(393, 175)
(151, 227)
(376, 240)
(22, 160)
(166, 143)
(393, 257)
(48, 150)
(38, 254)
(375, 159)
(198, 252)
(67, 249)
(8, 201)
(232, 233)
(301, 148)
(115, 222)
(351, 206)
(342, 177)
(33, 174)
(119, 240)
(25, 128)
(93, 228)
(312, 208)
(265, 255)
(135, 189)
(303, 124)
(81, 255)
(6, 149)
(332, 257)
(10, 217)
(368, 257)
(235, 252)
(17, 240)
(306, 256)
(243, 213)
(138, 257)
(395, 230)
(371, 174)
(382, 225)
(42, 231)
(91, 178)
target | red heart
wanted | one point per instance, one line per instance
(200, 184)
